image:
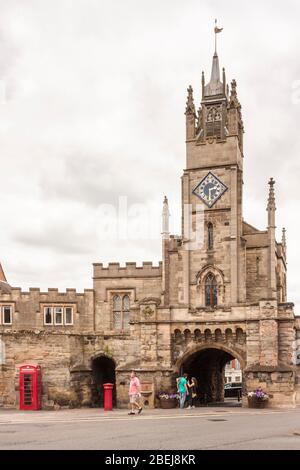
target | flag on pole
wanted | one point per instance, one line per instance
(217, 30)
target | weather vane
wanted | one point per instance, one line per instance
(217, 31)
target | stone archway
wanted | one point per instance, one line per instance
(103, 370)
(207, 364)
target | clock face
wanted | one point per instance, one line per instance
(210, 189)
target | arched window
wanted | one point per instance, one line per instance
(121, 311)
(211, 291)
(126, 308)
(117, 312)
(210, 236)
(214, 122)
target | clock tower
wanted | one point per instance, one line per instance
(213, 249)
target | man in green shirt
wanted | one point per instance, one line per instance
(182, 389)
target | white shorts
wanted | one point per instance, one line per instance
(134, 398)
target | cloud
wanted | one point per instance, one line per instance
(92, 98)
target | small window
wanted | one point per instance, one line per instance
(58, 316)
(211, 291)
(48, 318)
(7, 315)
(68, 316)
(210, 236)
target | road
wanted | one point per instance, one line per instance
(197, 429)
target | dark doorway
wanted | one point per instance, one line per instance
(103, 371)
(208, 367)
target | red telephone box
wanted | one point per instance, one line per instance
(30, 387)
(108, 390)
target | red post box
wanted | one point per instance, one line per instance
(108, 391)
(30, 387)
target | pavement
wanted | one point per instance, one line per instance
(196, 429)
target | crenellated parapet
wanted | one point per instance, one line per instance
(70, 309)
(130, 270)
(53, 294)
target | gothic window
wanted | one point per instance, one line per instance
(121, 310)
(211, 291)
(214, 122)
(210, 233)
(126, 308)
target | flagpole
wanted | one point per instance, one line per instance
(215, 37)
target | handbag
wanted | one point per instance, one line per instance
(194, 395)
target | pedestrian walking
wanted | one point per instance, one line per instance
(182, 389)
(135, 394)
(193, 391)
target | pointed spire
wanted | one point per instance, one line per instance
(2, 275)
(271, 204)
(224, 82)
(203, 84)
(190, 106)
(284, 244)
(215, 86)
(215, 70)
(165, 219)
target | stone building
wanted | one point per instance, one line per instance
(219, 293)
(233, 372)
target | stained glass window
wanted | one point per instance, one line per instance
(211, 291)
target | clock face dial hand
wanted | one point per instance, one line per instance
(210, 189)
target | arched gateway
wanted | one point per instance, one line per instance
(102, 372)
(220, 291)
(207, 364)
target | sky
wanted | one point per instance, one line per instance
(92, 125)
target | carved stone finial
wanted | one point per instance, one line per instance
(233, 101)
(284, 238)
(233, 87)
(190, 106)
(165, 219)
(271, 200)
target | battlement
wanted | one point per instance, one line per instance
(115, 270)
(53, 294)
